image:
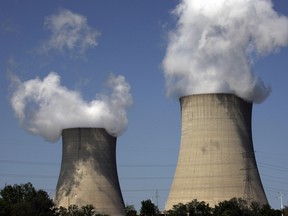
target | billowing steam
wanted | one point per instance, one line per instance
(45, 108)
(212, 48)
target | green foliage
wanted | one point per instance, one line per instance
(198, 208)
(148, 208)
(25, 200)
(235, 207)
(285, 211)
(193, 208)
(19, 200)
(178, 210)
(255, 209)
(232, 207)
(87, 210)
(266, 210)
(130, 210)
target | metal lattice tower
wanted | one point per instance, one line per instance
(248, 195)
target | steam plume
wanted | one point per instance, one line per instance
(211, 50)
(45, 108)
(69, 32)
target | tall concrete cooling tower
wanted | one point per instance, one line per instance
(216, 161)
(88, 174)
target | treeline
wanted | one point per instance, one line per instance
(25, 200)
(232, 207)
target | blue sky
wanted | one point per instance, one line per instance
(130, 40)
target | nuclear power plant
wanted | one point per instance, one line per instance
(88, 174)
(216, 161)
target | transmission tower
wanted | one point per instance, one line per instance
(248, 195)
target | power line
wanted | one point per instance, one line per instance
(28, 162)
(262, 164)
(273, 166)
(129, 165)
(26, 176)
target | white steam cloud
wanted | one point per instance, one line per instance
(211, 49)
(69, 32)
(45, 108)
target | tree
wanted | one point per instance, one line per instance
(192, 208)
(130, 210)
(61, 211)
(266, 210)
(255, 209)
(148, 208)
(232, 207)
(74, 210)
(198, 208)
(87, 210)
(24, 199)
(285, 211)
(179, 209)
(235, 207)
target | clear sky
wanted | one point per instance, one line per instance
(127, 38)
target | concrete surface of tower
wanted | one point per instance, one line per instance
(88, 174)
(216, 161)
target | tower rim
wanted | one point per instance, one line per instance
(209, 94)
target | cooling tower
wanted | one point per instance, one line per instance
(216, 161)
(88, 174)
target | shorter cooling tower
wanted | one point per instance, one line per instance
(88, 174)
(216, 161)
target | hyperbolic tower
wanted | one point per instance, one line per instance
(88, 174)
(216, 161)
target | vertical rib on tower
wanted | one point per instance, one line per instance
(88, 173)
(216, 161)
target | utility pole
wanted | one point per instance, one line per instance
(281, 195)
(157, 196)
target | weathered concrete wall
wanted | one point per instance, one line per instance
(88, 171)
(216, 160)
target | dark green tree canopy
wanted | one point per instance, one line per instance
(192, 208)
(130, 210)
(24, 199)
(148, 208)
(232, 207)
